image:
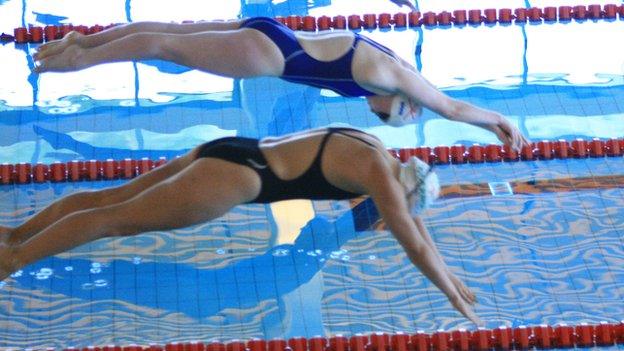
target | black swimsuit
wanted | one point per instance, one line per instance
(310, 185)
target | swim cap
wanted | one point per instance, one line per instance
(422, 185)
(400, 112)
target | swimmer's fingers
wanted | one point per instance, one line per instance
(463, 290)
(466, 310)
(503, 136)
(467, 294)
(525, 141)
(512, 135)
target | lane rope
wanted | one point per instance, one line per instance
(560, 336)
(370, 21)
(109, 169)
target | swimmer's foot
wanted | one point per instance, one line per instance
(68, 60)
(57, 46)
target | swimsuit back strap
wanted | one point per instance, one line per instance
(375, 44)
(335, 130)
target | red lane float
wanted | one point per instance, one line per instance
(429, 19)
(475, 154)
(493, 153)
(424, 153)
(534, 14)
(509, 154)
(527, 153)
(490, 16)
(399, 342)
(355, 22)
(298, 344)
(92, 170)
(421, 341)
(458, 154)
(21, 35)
(565, 13)
(442, 154)
(35, 34)
(339, 22)
(369, 21)
(505, 16)
(309, 24)
(460, 17)
(520, 15)
(212, 346)
(338, 343)
(257, 345)
(474, 17)
(564, 336)
(385, 21)
(502, 338)
(610, 11)
(441, 340)
(317, 343)
(579, 12)
(414, 19)
(324, 23)
(481, 340)
(461, 340)
(50, 32)
(358, 342)
(544, 150)
(550, 14)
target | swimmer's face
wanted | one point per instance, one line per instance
(395, 110)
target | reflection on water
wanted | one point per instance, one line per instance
(535, 74)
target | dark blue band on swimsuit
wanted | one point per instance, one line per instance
(302, 68)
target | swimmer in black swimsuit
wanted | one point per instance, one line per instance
(335, 163)
(348, 63)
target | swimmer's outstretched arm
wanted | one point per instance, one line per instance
(466, 293)
(389, 197)
(412, 84)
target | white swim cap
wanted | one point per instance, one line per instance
(401, 112)
(422, 185)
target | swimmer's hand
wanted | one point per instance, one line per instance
(405, 3)
(509, 134)
(465, 309)
(465, 292)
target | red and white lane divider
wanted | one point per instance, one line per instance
(37, 34)
(91, 170)
(503, 338)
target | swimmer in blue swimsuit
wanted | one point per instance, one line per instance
(204, 184)
(348, 63)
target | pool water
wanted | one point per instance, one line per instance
(539, 241)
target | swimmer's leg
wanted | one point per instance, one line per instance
(87, 41)
(205, 190)
(92, 199)
(241, 53)
(5, 234)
